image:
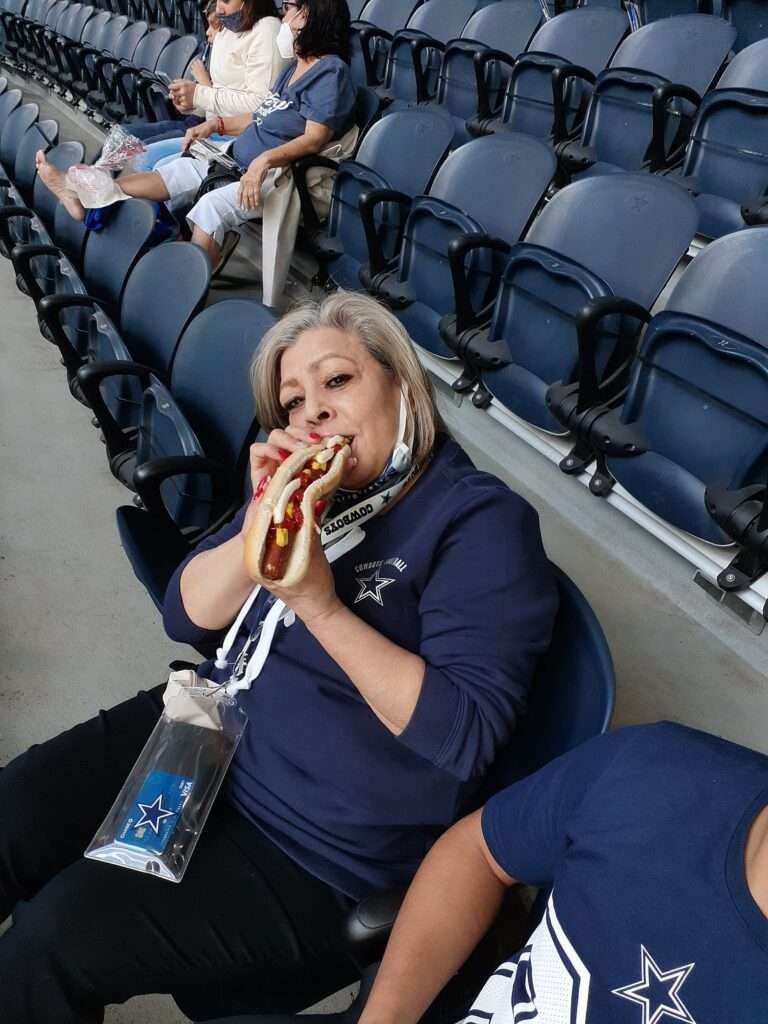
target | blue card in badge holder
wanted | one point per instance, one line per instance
(149, 825)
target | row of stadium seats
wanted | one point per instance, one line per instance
(540, 307)
(104, 61)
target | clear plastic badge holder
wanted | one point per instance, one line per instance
(156, 820)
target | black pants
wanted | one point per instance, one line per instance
(245, 920)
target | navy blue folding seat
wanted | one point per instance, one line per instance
(34, 53)
(108, 257)
(68, 35)
(749, 18)
(105, 67)
(595, 260)
(726, 160)
(455, 237)
(9, 101)
(10, 14)
(73, 50)
(153, 101)
(692, 431)
(378, 169)
(356, 8)
(641, 106)
(164, 290)
(414, 54)
(102, 42)
(41, 135)
(12, 131)
(145, 58)
(561, 63)
(372, 34)
(656, 10)
(44, 265)
(203, 420)
(475, 68)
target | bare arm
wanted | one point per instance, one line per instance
(315, 138)
(450, 905)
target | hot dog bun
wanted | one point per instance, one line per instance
(256, 538)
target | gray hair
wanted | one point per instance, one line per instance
(378, 331)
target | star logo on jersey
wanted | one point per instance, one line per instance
(658, 992)
(153, 814)
(372, 586)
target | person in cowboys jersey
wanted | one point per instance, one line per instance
(653, 844)
(377, 711)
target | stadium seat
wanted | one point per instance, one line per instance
(456, 236)
(125, 76)
(413, 60)
(372, 35)
(204, 419)
(749, 18)
(577, 45)
(108, 257)
(44, 263)
(164, 290)
(597, 258)
(69, 39)
(378, 169)
(107, 65)
(657, 10)
(12, 132)
(571, 700)
(641, 106)
(726, 160)
(695, 416)
(153, 101)
(19, 192)
(475, 68)
(101, 43)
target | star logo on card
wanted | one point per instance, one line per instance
(658, 992)
(153, 814)
(372, 586)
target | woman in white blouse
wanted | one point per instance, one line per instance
(244, 62)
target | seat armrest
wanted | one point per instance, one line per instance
(561, 76)
(592, 390)
(90, 378)
(300, 168)
(662, 94)
(366, 204)
(481, 60)
(149, 477)
(458, 249)
(22, 256)
(756, 212)
(369, 924)
(417, 47)
(367, 33)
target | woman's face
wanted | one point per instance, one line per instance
(225, 7)
(330, 384)
(294, 15)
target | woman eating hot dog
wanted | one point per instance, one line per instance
(420, 602)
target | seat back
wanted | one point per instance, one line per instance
(572, 696)
(12, 132)
(748, 69)
(210, 409)
(616, 235)
(95, 30)
(749, 18)
(177, 56)
(586, 37)
(490, 185)
(425, 136)
(389, 15)
(111, 253)
(655, 10)
(114, 31)
(80, 22)
(129, 39)
(147, 53)
(507, 26)
(41, 135)
(9, 101)
(165, 289)
(699, 391)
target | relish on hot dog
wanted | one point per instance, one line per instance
(278, 541)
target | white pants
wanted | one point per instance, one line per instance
(217, 212)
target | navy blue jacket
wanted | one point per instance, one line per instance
(456, 572)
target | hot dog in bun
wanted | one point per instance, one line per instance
(277, 544)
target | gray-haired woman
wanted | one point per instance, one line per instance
(384, 697)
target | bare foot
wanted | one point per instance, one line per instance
(56, 181)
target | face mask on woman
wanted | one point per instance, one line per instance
(285, 41)
(231, 21)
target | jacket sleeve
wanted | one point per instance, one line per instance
(177, 623)
(486, 614)
(262, 65)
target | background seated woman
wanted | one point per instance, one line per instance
(312, 102)
(244, 61)
(374, 716)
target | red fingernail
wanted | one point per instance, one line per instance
(260, 487)
(314, 437)
(320, 507)
(282, 454)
